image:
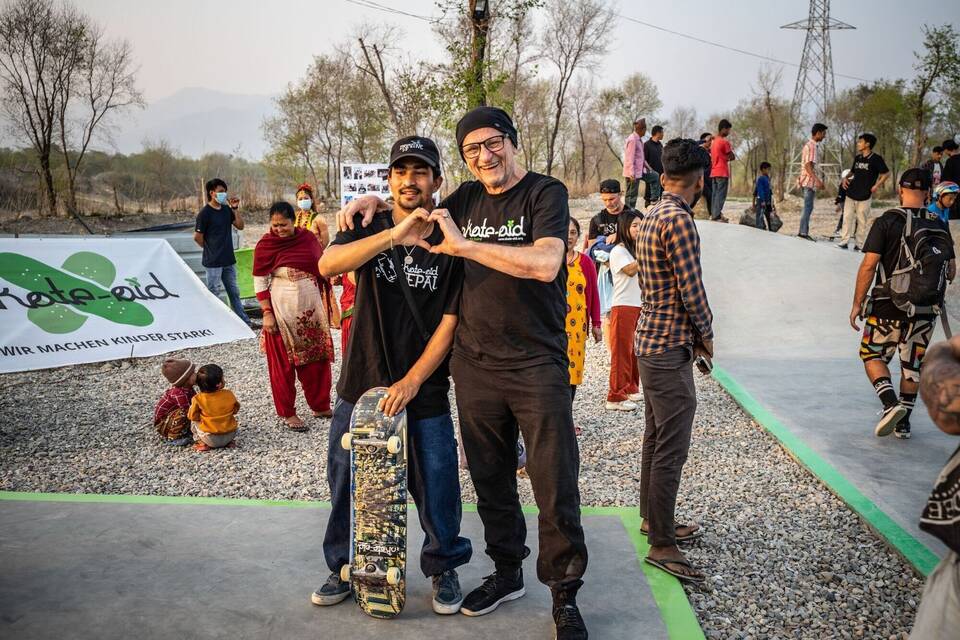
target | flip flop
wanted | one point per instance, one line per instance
(676, 525)
(662, 565)
(301, 429)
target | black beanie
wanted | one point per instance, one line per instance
(481, 117)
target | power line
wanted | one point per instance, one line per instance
(723, 46)
(369, 4)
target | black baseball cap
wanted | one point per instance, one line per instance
(610, 186)
(916, 179)
(417, 147)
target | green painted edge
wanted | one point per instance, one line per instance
(675, 610)
(912, 550)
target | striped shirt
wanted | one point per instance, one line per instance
(808, 154)
(675, 310)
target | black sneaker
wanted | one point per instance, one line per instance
(891, 416)
(567, 617)
(334, 591)
(447, 596)
(501, 586)
(902, 430)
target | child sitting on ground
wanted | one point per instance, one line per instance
(170, 416)
(213, 411)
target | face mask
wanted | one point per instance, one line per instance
(305, 204)
(222, 197)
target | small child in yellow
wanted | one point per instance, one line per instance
(213, 411)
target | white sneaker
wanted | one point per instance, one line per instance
(635, 397)
(626, 405)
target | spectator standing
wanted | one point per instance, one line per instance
(763, 197)
(933, 165)
(675, 326)
(213, 233)
(951, 170)
(624, 390)
(634, 161)
(706, 141)
(809, 181)
(721, 153)
(867, 175)
(652, 152)
(583, 308)
(839, 201)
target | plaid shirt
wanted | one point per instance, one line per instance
(675, 310)
(172, 398)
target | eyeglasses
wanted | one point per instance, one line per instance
(493, 143)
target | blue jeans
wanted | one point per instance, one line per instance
(719, 196)
(763, 215)
(228, 275)
(808, 196)
(432, 480)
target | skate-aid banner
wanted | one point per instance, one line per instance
(69, 301)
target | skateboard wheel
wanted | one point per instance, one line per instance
(345, 573)
(347, 441)
(393, 576)
(394, 444)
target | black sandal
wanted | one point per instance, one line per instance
(683, 562)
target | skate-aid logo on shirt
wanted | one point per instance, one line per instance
(417, 276)
(511, 231)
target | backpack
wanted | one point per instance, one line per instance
(918, 283)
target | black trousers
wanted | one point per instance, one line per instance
(670, 404)
(493, 407)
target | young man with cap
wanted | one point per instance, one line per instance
(887, 328)
(634, 161)
(510, 363)
(403, 346)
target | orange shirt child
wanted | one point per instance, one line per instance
(215, 412)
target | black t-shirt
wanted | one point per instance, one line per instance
(951, 169)
(605, 223)
(865, 172)
(653, 152)
(884, 239)
(215, 225)
(382, 316)
(508, 322)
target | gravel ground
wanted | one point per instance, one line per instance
(785, 559)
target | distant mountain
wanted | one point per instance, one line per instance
(196, 121)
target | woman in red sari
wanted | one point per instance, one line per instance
(296, 331)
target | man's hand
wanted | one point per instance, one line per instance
(453, 241)
(845, 183)
(854, 316)
(597, 334)
(874, 188)
(704, 349)
(411, 230)
(368, 205)
(398, 396)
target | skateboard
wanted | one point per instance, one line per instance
(378, 517)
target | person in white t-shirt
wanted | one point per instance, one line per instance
(624, 391)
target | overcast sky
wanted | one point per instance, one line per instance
(256, 47)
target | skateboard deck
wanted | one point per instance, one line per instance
(378, 520)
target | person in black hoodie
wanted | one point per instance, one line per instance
(951, 171)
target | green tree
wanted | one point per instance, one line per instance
(937, 70)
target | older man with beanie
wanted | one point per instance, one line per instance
(509, 363)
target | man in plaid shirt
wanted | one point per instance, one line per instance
(675, 326)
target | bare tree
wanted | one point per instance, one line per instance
(40, 48)
(104, 83)
(683, 123)
(370, 61)
(574, 39)
(581, 97)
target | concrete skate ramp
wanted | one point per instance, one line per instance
(781, 307)
(143, 571)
